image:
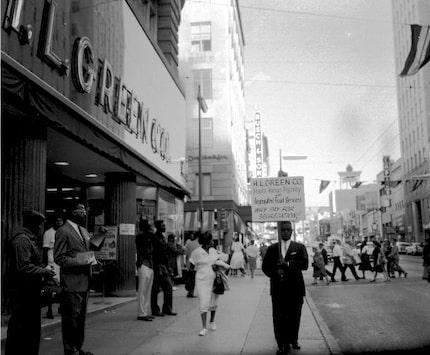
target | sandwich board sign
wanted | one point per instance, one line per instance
(278, 199)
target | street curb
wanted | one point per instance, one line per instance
(49, 328)
(329, 339)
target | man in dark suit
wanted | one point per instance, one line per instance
(25, 276)
(283, 263)
(162, 273)
(72, 254)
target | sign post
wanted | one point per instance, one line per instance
(107, 253)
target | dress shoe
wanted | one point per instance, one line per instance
(191, 295)
(81, 352)
(145, 318)
(152, 317)
(296, 346)
(333, 280)
(170, 313)
(345, 280)
(158, 314)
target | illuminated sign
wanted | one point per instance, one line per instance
(258, 146)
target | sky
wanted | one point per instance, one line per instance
(322, 75)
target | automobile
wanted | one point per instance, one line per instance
(402, 247)
(414, 249)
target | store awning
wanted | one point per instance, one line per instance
(192, 221)
(68, 118)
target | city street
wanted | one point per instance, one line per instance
(354, 317)
(368, 317)
(244, 326)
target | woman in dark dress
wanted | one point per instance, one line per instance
(379, 262)
(365, 264)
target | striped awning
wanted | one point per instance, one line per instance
(192, 221)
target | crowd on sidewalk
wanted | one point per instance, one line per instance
(159, 258)
(373, 256)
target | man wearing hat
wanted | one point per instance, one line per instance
(25, 275)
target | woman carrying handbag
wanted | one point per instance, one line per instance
(204, 260)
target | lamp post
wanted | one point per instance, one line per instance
(202, 107)
(288, 157)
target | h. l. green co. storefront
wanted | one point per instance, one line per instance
(92, 112)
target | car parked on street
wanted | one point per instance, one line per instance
(402, 247)
(414, 249)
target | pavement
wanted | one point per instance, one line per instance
(244, 325)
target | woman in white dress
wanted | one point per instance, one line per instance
(237, 258)
(202, 259)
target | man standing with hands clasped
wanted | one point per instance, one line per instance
(72, 253)
(284, 263)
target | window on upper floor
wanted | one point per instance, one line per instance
(203, 77)
(201, 37)
(207, 132)
(149, 9)
(75, 6)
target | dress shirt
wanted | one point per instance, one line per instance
(76, 228)
(337, 251)
(284, 247)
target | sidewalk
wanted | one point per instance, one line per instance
(244, 322)
(96, 304)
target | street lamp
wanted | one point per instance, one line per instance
(202, 107)
(288, 157)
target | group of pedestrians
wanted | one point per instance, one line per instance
(154, 268)
(385, 258)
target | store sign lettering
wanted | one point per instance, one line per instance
(112, 94)
(258, 146)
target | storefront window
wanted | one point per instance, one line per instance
(171, 211)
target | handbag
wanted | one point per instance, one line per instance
(356, 258)
(51, 292)
(224, 278)
(218, 285)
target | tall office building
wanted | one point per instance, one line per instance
(211, 57)
(414, 119)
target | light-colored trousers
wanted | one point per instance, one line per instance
(146, 278)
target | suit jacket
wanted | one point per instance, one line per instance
(287, 281)
(68, 243)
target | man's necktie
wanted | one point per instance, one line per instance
(82, 235)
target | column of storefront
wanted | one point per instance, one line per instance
(120, 208)
(24, 152)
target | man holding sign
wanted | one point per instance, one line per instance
(284, 263)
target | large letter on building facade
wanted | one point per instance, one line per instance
(45, 50)
(13, 21)
(105, 86)
(83, 73)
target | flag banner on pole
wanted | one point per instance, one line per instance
(392, 183)
(357, 185)
(419, 54)
(202, 104)
(323, 185)
(417, 184)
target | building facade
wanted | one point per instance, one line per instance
(93, 112)
(414, 119)
(211, 59)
